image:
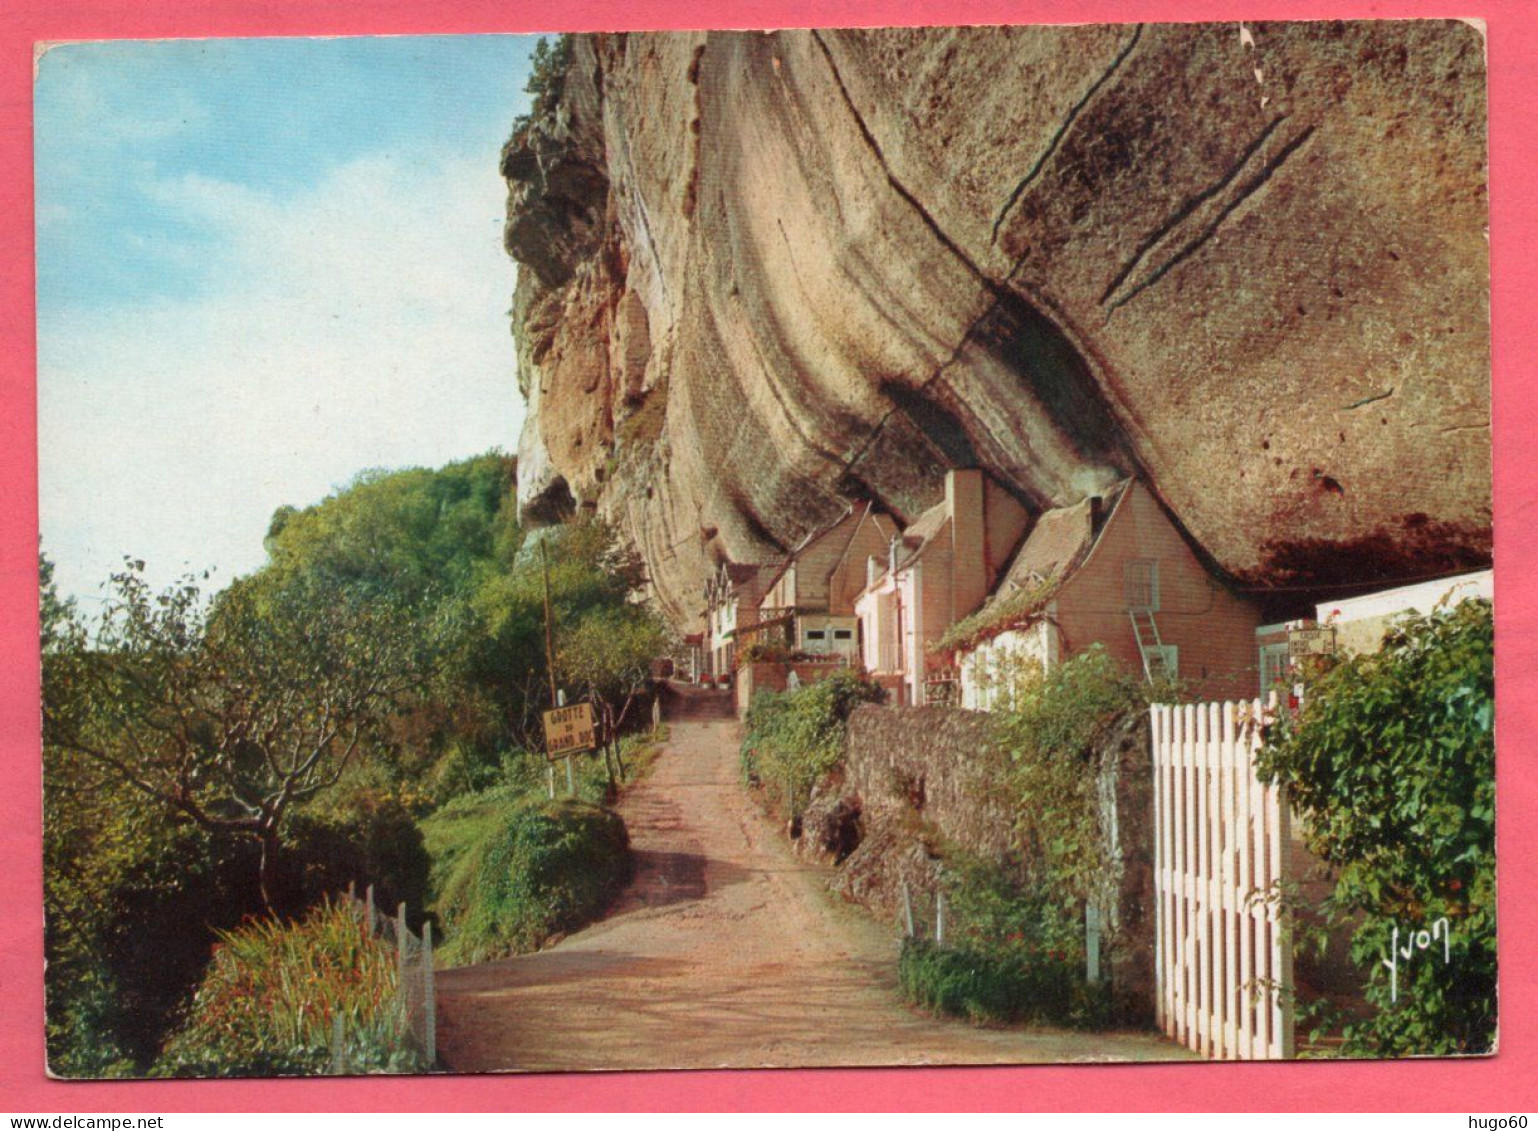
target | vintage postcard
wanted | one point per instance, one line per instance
(976, 548)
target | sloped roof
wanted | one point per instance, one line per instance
(926, 526)
(859, 512)
(740, 573)
(748, 579)
(886, 526)
(1058, 544)
(821, 532)
(814, 536)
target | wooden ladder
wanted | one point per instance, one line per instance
(1146, 631)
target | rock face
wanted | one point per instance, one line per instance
(768, 273)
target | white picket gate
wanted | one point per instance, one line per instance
(1223, 961)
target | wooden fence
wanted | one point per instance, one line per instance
(1222, 952)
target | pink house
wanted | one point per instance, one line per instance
(937, 572)
(1112, 571)
(809, 605)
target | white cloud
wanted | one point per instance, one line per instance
(360, 324)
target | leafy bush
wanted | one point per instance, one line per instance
(765, 651)
(267, 1004)
(792, 738)
(464, 768)
(1015, 928)
(515, 871)
(365, 837)
(1391, 763)
(992, 907)
(1050, 739)
(135, 904)
(1014, 951)
(547, 79)
(131, 902)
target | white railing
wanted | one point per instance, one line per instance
(1222, 952)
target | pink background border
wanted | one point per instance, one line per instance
(1507, 1082)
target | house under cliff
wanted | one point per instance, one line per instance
(809, 606)
(1111, 570)
(938, 571)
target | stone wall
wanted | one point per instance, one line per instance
(915, 783)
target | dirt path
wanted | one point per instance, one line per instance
(725, 951)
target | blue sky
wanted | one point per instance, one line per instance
(263, 265)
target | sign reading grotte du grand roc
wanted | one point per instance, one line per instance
(569, 730)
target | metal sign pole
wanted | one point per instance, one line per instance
(556, 699)
(544, 562)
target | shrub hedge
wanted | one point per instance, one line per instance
(792, 738)
(1001, 986)
(526, 870)
(1391, 762)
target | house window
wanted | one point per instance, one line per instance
(1164, 661)
(1273, 666)
(843, 634)
(1140, 580)
(815, 634)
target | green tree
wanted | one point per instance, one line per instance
(548, 65)
(232, 715)
(416, 536)
(597, 586)
(425, 541)
(607, 660)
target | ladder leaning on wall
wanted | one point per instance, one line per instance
(1145, 629)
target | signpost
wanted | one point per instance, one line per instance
(570, 730)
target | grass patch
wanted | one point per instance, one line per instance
(1000, 987)
(532, 869)
(511, 867)
(266, 1005)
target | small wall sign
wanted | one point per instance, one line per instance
(1318, 641)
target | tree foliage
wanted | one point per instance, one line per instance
(547, 79)
(1391, 763)
(210, 758)
(544, 867)
(413, 535)
(231, 714)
